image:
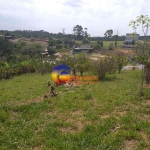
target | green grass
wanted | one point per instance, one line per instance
(107, 43)
(105, 116)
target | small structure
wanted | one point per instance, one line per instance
(8, 37)
(57, 54)
(45, 56)
(84, 49)
(45, 52)
(130, 40)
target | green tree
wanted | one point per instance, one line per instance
(142, 49)
(122, 60)
(78, 31)
(6, 48)
(108, 33)
(83, 63)
(100, 43)
(111, 47)
(51, 42)
(115, 43)
(66, 60)
(86, 35)
(104, 66)
(116, 36)
(85, 40)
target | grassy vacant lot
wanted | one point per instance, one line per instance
(44, 44)
(106, 43)
(104, 116)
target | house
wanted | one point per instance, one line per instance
(130, 40)
(9, 37)
(82, 49)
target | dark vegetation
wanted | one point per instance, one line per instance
(41, 35)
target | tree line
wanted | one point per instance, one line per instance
(46, 35)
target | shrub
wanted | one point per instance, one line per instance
(111, 47)
(104, 66)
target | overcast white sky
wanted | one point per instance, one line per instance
(54, 15)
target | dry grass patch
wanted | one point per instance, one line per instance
(134, 106)
(105, 116)
(144, 136)
(126, 51)
(68, 130)
(146, 85)
(130, 145)
(36, 148)
(36, 100)
(120, 113)
(147, 102)
(77, 113)
(77, 120)
(78, 123)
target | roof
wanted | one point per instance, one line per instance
(131, 37)
(85, 47)
(46, 50)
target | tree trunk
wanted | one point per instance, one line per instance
(147, 73)
(81, 73)
(142, 82)
(120, 69)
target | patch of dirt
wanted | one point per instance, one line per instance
(68, 130)
(15, 40)
(144, 117)
(77, 112)
(130, 145)
(50, 113)
(146, 149)
(144, 136)
(135, 106)
(148, 102)
(80, 125)
(36, 148)
(121, 113)
(41, 128)
(146, 85)
(76, 119)
(36, 100)
(70, 120)
(105, 116)
(126, 51)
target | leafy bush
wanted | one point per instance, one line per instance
(104, 66)
(7, 71)
(100, 43)
(115, 43)
(85, 40)
(111, 47)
